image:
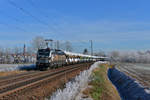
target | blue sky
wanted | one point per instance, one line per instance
(111, 24)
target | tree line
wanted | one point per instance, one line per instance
(130, 56)
(27, 53)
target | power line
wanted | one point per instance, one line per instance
(26, 12)
(31, 15)
(34, 6)
(18, 28)
(11, 17)
(54, 27)
(15, 19)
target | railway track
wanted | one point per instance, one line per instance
(27, 75)
(141, 78)
(12, 86)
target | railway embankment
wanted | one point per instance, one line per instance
(38, 84)
(100, 87)
(91, 84)
(129, 88)
(73, 87)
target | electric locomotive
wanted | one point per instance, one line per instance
(50, 58)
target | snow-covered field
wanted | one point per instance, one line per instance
(12, 67)
(73, 89)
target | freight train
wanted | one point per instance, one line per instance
(54, 58)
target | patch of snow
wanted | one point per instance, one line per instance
(73, 88)
(82, 96)
(147, 91)
(12, 67)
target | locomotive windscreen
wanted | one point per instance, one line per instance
(43, 52)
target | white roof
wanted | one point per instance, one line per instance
(82, 55)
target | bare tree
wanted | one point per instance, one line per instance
(115, 54)
(38, 43)
(132, 57)
(16, 50)
(1, 52)
(68, 46)
(29, 50)
(100, 53)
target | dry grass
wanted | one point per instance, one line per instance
(102, 88)
(10, 73)
(87, 91)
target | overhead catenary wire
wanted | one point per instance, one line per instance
(16, 27)
(14, 19)
(26, 12)
(54, 26)
(34, 6)
(10, 17)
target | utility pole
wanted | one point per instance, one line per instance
(57, 42)
(55, 45)
(91, 42)
(24, 52)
